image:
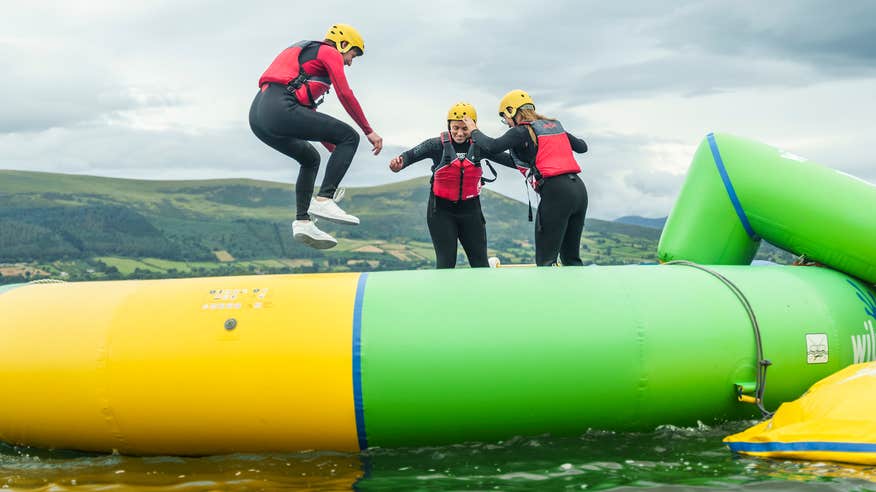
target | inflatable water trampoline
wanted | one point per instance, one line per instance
(349, 361)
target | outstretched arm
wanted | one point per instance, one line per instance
(578, 145)
(512, 138)
(429, 148)
(503, 158)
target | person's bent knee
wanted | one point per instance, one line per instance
(309, 158)
(303, 152)
(346, 136)
(351, 138)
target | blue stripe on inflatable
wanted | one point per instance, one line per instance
(719, 162)
(840, 447)
(357, 362)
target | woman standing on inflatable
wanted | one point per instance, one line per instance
(454, 211)
(542, 150)
(283, 115)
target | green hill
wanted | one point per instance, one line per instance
(84, 227)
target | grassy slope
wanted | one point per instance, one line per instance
(142, 228)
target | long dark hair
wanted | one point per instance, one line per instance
(529, 114)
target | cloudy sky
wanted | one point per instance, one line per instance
(161, 89)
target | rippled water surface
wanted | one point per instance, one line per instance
(669, 458)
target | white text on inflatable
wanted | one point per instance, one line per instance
(864, 346)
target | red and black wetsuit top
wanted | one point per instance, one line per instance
(310, 68)
(456, 170)
(549, 155)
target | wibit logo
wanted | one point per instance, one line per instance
(864, 346)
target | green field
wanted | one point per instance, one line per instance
(85, 227)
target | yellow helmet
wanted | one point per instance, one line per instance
(348, 33)
(461, 109)
(512, 101)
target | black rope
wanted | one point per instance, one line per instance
(762, 363)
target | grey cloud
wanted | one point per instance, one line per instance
(655, 183)
(125, 152)
(118, 59)
(685, 75)
(671, 48)
(47, 92)
(828, 36)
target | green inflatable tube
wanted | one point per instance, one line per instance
(451, 356)
(738, 191)
(350, 361)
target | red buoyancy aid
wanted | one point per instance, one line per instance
(553, 155)
(456, 178)
(287, 69)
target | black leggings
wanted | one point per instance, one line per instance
(450, 221)
(279, 121)
(560, 220)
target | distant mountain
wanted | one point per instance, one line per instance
(94, 227)
(656, 223)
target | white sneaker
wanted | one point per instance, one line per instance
(329, 210)
(305, 231)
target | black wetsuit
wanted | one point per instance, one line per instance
(563, 206)
(278, 120)
(449, 220)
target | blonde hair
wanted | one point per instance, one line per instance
(529, 114)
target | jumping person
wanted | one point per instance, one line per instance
(454, 211)
(283, 115)
(542, 150)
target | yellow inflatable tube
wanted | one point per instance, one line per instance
(833, 421)
(244, 349)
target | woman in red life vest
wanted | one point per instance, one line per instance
(542, 150)
(454, 211)
(284, 116)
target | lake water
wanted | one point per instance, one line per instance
(669, 458)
